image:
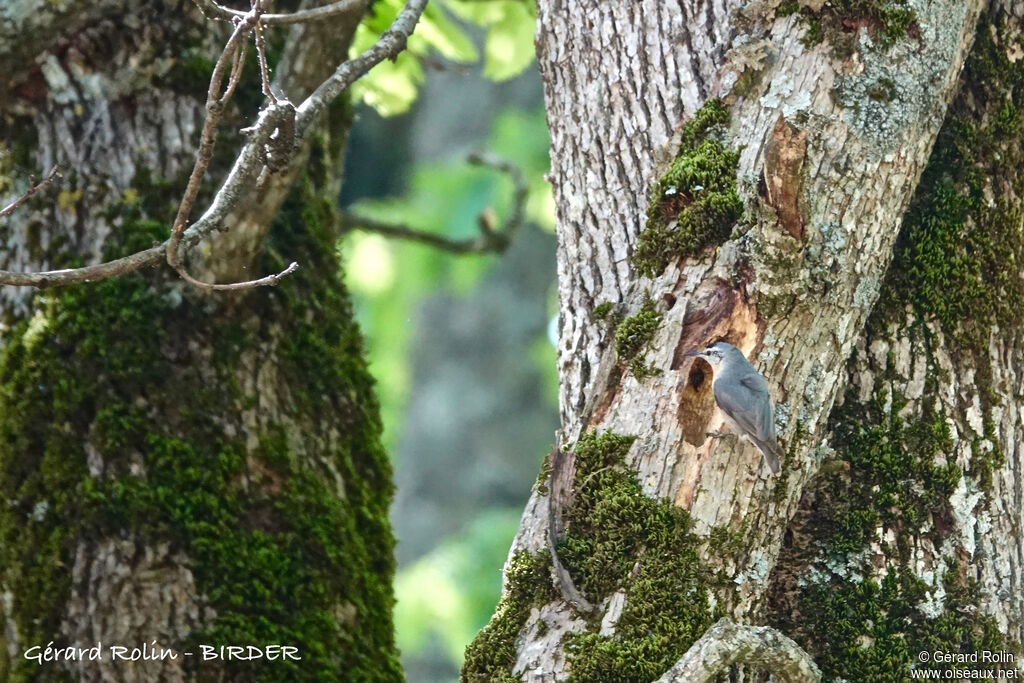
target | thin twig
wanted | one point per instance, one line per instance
(390, 43)
(261, 51)
(237, 65)
(13, 206)
(94, 273)
(490, 239)
(268, 281)
(215, 102)
(312, 14)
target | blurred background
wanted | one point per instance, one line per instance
(461, 346)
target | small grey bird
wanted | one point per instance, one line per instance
(742, 394)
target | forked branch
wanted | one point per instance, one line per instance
(280, 125)
(13, 206)
(491, 239)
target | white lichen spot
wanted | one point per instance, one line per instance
(974, 416)
(611, 616)
(39, 510)
(880, 353)
(934, 602)
(780, 90)
(963, 502)
(57, 81)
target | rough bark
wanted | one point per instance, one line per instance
(921, 526)
(178, 467)
(726, 644)
(827, 142)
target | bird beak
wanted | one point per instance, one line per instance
(694, 354)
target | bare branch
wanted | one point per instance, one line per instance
(261, 51)
(388, 46)
(100, 271)
(268, 281)
(727, 643)
(242, 176)
(215, 102)
(240, 180)
(13, 206)
(315, 13)
(491, 239)
(278, 122)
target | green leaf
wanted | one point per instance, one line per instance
(390, 87)
(442, 34)
(509, 48)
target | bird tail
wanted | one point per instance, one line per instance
(770, 451)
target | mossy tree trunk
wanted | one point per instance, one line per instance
(177, 467)
(748, 172)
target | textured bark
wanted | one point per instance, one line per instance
(175, 467)
(936, 377)
(725, 644)
(793, 287)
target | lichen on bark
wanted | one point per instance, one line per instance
(885, 574)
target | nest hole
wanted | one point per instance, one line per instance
(696, 403)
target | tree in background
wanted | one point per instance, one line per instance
(748, 172)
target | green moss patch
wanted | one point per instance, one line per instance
(695, 203)
(873, 631)
(894, 477)
(957, 259)
(866, 629)
(619, 538)
(491, 655)
(955, 265)
(616, 538)
(838, 21)
(603, 310)
(288, 540)
(959, 254)
(633, 338)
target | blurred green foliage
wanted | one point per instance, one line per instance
(388, 277)
(445, 597)
(391, 86)
(450, 593)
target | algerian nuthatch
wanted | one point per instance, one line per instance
(742, 394)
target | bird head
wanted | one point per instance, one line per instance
(715, 354)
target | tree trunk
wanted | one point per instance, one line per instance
(775, 148)
(179, 468)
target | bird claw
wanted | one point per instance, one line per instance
(722, 435)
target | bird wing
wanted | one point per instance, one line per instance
(749, 405)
